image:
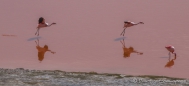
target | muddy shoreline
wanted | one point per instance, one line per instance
(25, 77)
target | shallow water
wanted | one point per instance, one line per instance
(84, 37)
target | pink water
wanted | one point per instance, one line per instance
(83, 38)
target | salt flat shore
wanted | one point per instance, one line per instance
(25, 77)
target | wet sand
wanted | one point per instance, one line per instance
(83, 38)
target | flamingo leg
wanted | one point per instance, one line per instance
(37, 32)
(169, 54)
(169, 58)
(37, 43)
(123, 32)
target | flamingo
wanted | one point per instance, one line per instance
(171, 49)
(129, 24)
(41, 24)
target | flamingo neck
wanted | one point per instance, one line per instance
(174, 54)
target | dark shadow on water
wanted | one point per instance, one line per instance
(119, 39)
(128, 50)
(42, 50)
(34, 38)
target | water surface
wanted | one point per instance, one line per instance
(84, 37)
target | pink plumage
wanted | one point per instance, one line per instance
(171, 49)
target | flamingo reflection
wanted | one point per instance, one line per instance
(127, 51)
(42, 50)
(171, 62)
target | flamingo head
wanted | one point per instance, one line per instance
(170, 48)
(126, 21)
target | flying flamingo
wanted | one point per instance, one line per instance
(129, 24)
(171, 49)
(41, 24)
